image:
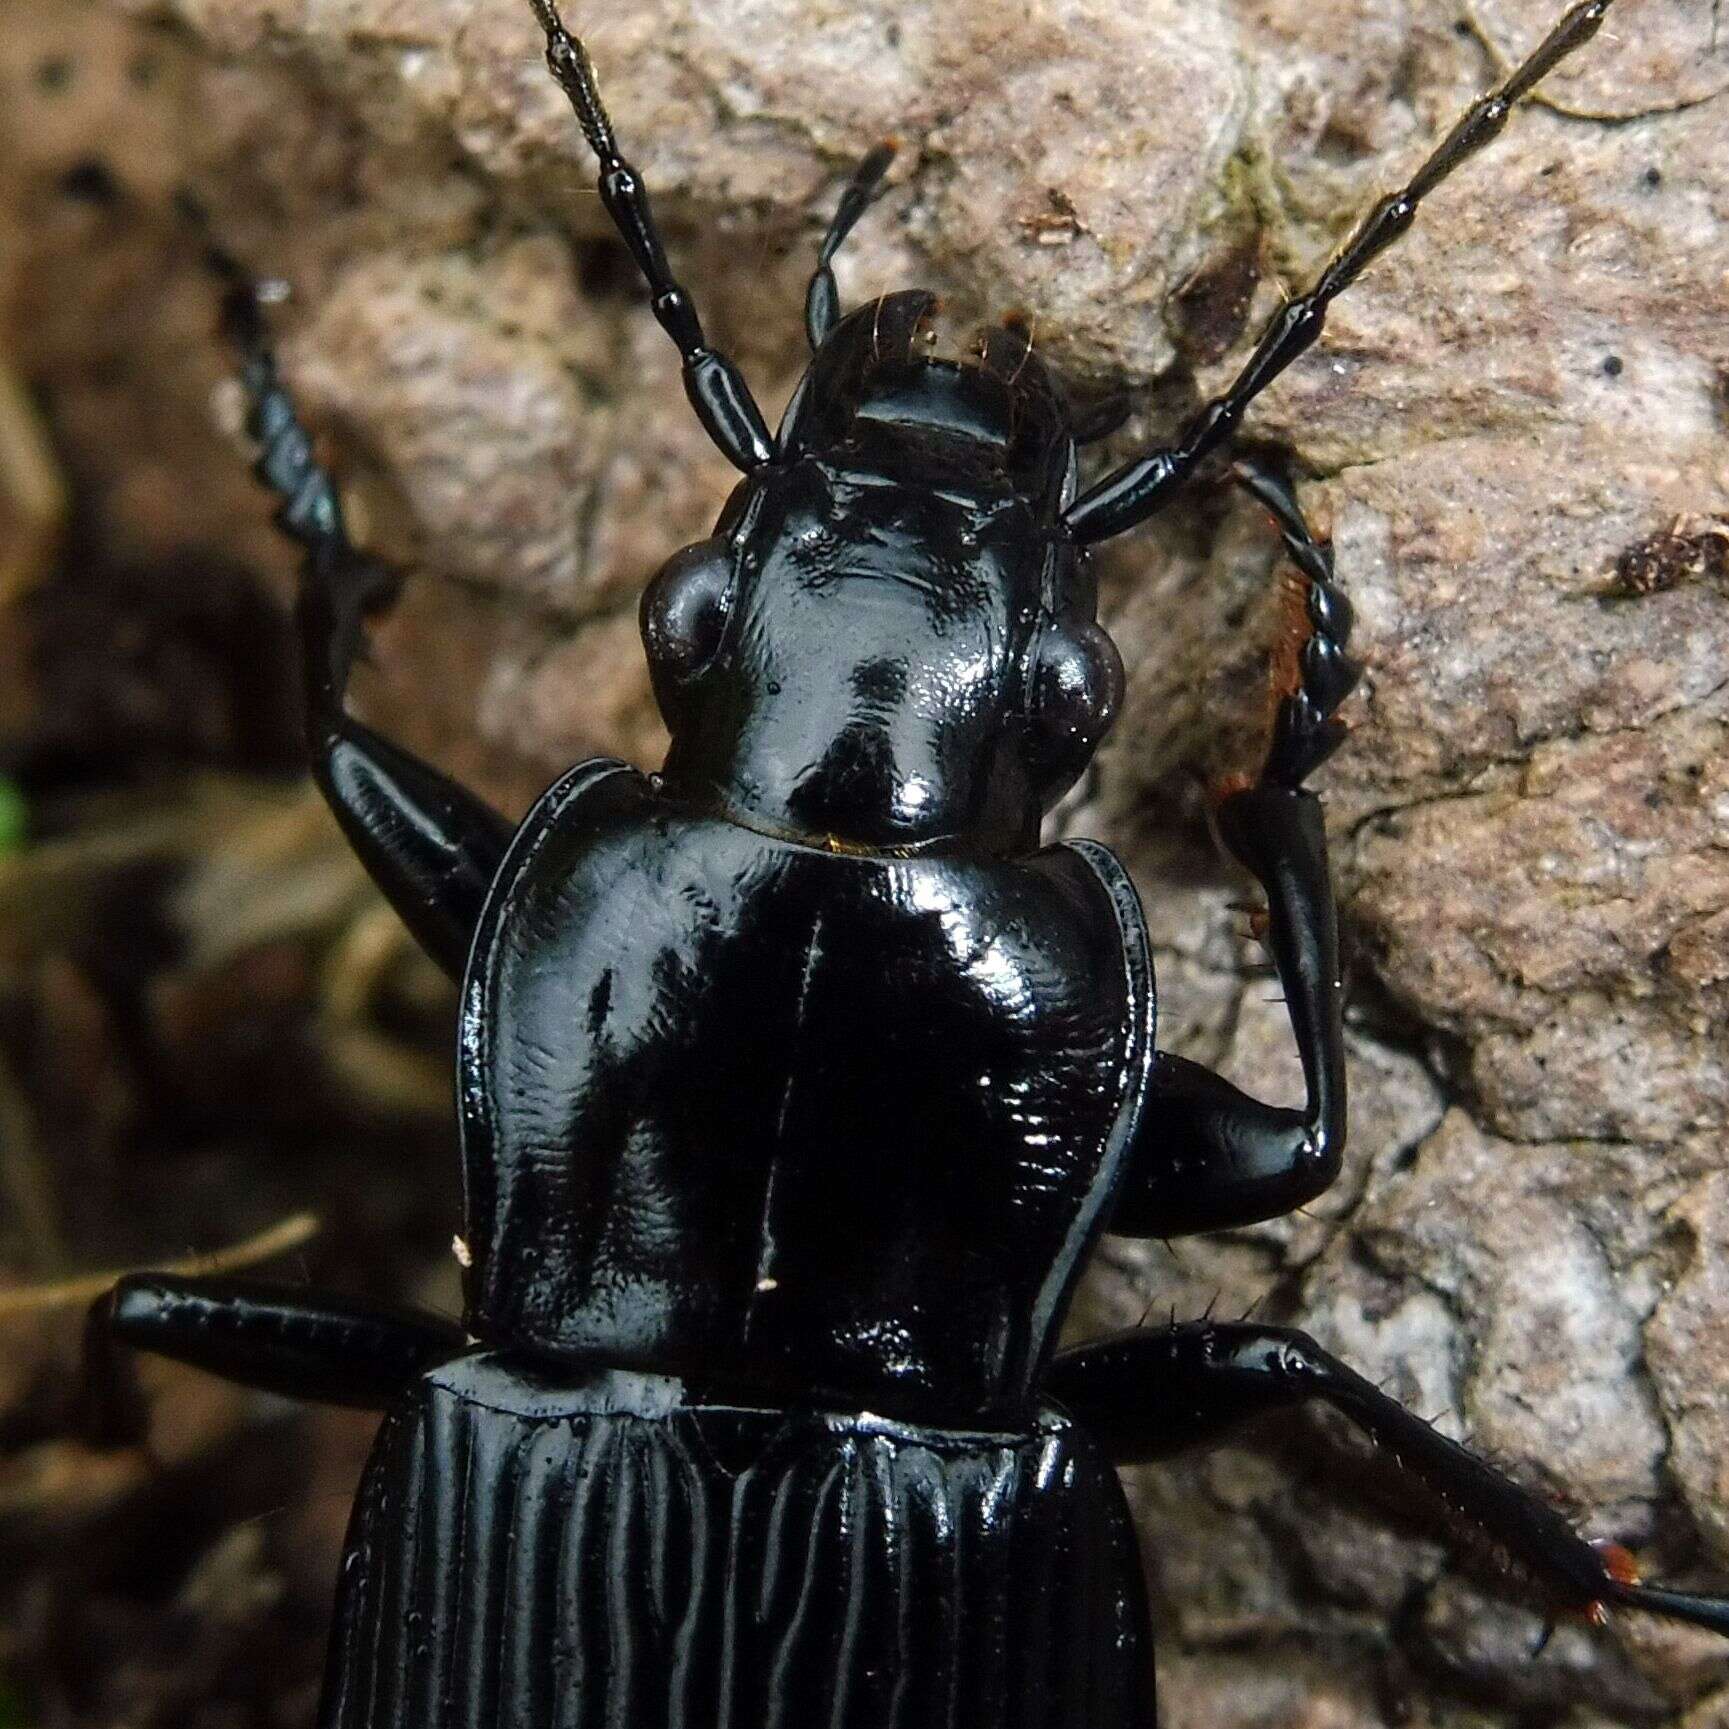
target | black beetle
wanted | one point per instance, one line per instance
(796, 1083)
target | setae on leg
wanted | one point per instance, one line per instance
(1149, 1394)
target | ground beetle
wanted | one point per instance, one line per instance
(797, 1081)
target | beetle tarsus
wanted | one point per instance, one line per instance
(1306, 730)
(342, 585)
(430, 844)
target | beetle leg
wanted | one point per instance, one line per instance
(332, 1349)
(1135, 491)
(1207, 1157)
(431, 845)
(1216, 1158)
(715, 386)
(1149, 1394)
(822, 298)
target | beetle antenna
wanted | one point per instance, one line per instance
(1133, 492)
(715, 386)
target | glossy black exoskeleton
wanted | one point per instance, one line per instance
(797, 1081)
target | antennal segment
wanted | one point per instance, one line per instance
(715, 386)
(822, 300)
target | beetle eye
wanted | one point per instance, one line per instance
(684, 615)
(1077, 688)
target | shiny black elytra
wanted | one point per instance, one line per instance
(797, 1081)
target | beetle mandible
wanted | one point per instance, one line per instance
(796, 1082)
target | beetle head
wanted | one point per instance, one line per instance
(890, 640)
(876, 373)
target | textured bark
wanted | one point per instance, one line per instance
(1517, 424)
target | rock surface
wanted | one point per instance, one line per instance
(1517, 425)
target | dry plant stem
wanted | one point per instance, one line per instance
(33, 501)
(279, 1239)
(25, 1181)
